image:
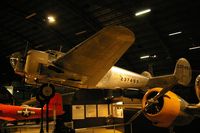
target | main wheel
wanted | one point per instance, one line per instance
(47, 91)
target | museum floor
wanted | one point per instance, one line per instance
(36, 129)
(85, 130)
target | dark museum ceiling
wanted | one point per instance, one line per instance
(25, 22)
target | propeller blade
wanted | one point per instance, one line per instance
(138, 113)
(150, 102)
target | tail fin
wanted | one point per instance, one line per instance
(56, 103)
(183, 72)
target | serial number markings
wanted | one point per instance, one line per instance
(125, 79)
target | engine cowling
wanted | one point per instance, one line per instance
(34, 60)
(197, 87)
(167, 110)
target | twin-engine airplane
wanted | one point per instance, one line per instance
(168, 109)
(9, 113)
(90, 65)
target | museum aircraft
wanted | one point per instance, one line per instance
(10, 113)
(90, 65)
(168, 109)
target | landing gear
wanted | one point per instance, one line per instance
(46, 92)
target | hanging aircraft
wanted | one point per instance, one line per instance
(166, 109)
(10, 113)
(90, 65)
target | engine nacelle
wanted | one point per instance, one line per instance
(37, 63)
(34, 60)
(167, 110)
(197, 87)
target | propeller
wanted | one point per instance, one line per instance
(136, 115)
(152, 101)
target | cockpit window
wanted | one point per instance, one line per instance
(16, 61)
(53, 54)
(13, 61)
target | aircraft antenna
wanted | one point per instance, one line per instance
(60, 49)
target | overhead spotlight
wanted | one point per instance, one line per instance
(51, 19)
(154, 56)
(142, 12)
(175, 33)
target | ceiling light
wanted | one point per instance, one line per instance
(144, 57)
(142, 12)
(81, 32)
(192, 48)
(154, 56)
(51, 19)
(31, 15)
(148, 56)
(175, 33)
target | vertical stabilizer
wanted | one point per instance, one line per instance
(183, 72)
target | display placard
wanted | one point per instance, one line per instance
(78, 112)
(102, 110)
(91, 111)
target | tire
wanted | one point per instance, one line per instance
(47, 91)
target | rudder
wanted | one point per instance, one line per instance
(183, 72)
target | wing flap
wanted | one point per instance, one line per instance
(95, 56)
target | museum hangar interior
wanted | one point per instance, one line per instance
(169, 30)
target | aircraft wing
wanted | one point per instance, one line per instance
(133, 107)
(128, 103)
(94, 57)
(7, 118)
